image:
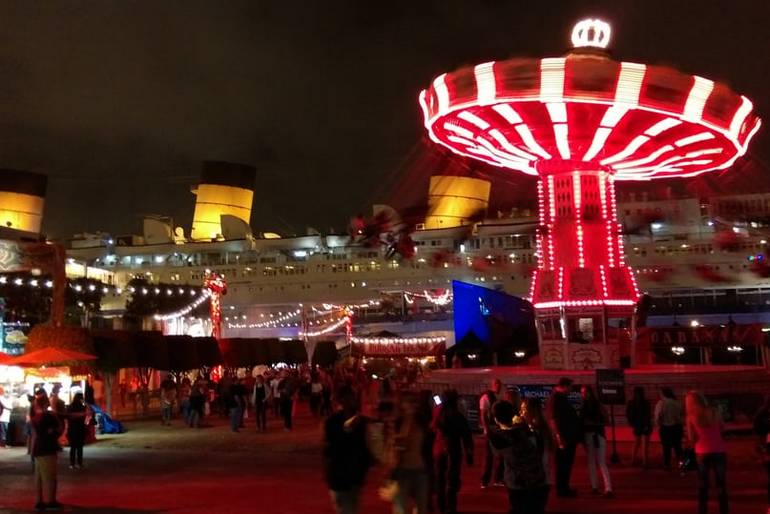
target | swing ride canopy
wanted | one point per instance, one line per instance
(579, 123)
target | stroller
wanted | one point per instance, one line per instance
(105, 424)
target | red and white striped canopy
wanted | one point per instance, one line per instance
(638, 121)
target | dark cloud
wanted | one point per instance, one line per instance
(119, 101)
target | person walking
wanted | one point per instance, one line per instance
(762, 429)
(491, 460)
(287, 389)
(346, 454)
(670, 421)
(197, 403)
(639, 416)
(524, 473)
(275, 394)
(77, 412)
(235, 402)
(704, 430)
(593, 418)
(46, 430)
(326, 395)
(168, 395)
(411, 452)
(453, 439)
(565, 425)
(260, 398)
(185, 389)
(532, 414)
(316, 394)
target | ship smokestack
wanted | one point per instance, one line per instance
(225, 189)
(455, 201)
(22, 198)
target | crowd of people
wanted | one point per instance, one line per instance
(420, 440)
(530, 445)
(273, 391)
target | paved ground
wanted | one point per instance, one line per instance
(154, 469)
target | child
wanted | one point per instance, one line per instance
(524, 474)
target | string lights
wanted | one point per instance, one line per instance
(205, 294)
(441, 299)
(327, 329)
(397, 340)
(93, 286)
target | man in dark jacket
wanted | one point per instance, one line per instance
(345, 452)
(46, 430)
(524, 472)
(453, 435)
(565, 424)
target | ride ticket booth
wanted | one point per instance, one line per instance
(591, 337)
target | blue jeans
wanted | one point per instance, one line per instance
(346, 502)
(706, 463)
(236, 413)
(3, 433)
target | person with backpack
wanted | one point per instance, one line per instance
(524, 473)
(566, 427)
(486, 417)
(453, 439)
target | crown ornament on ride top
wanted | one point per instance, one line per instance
(591, 33)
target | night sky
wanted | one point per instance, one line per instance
(119, 101)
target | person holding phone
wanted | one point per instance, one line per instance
(453, 440)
